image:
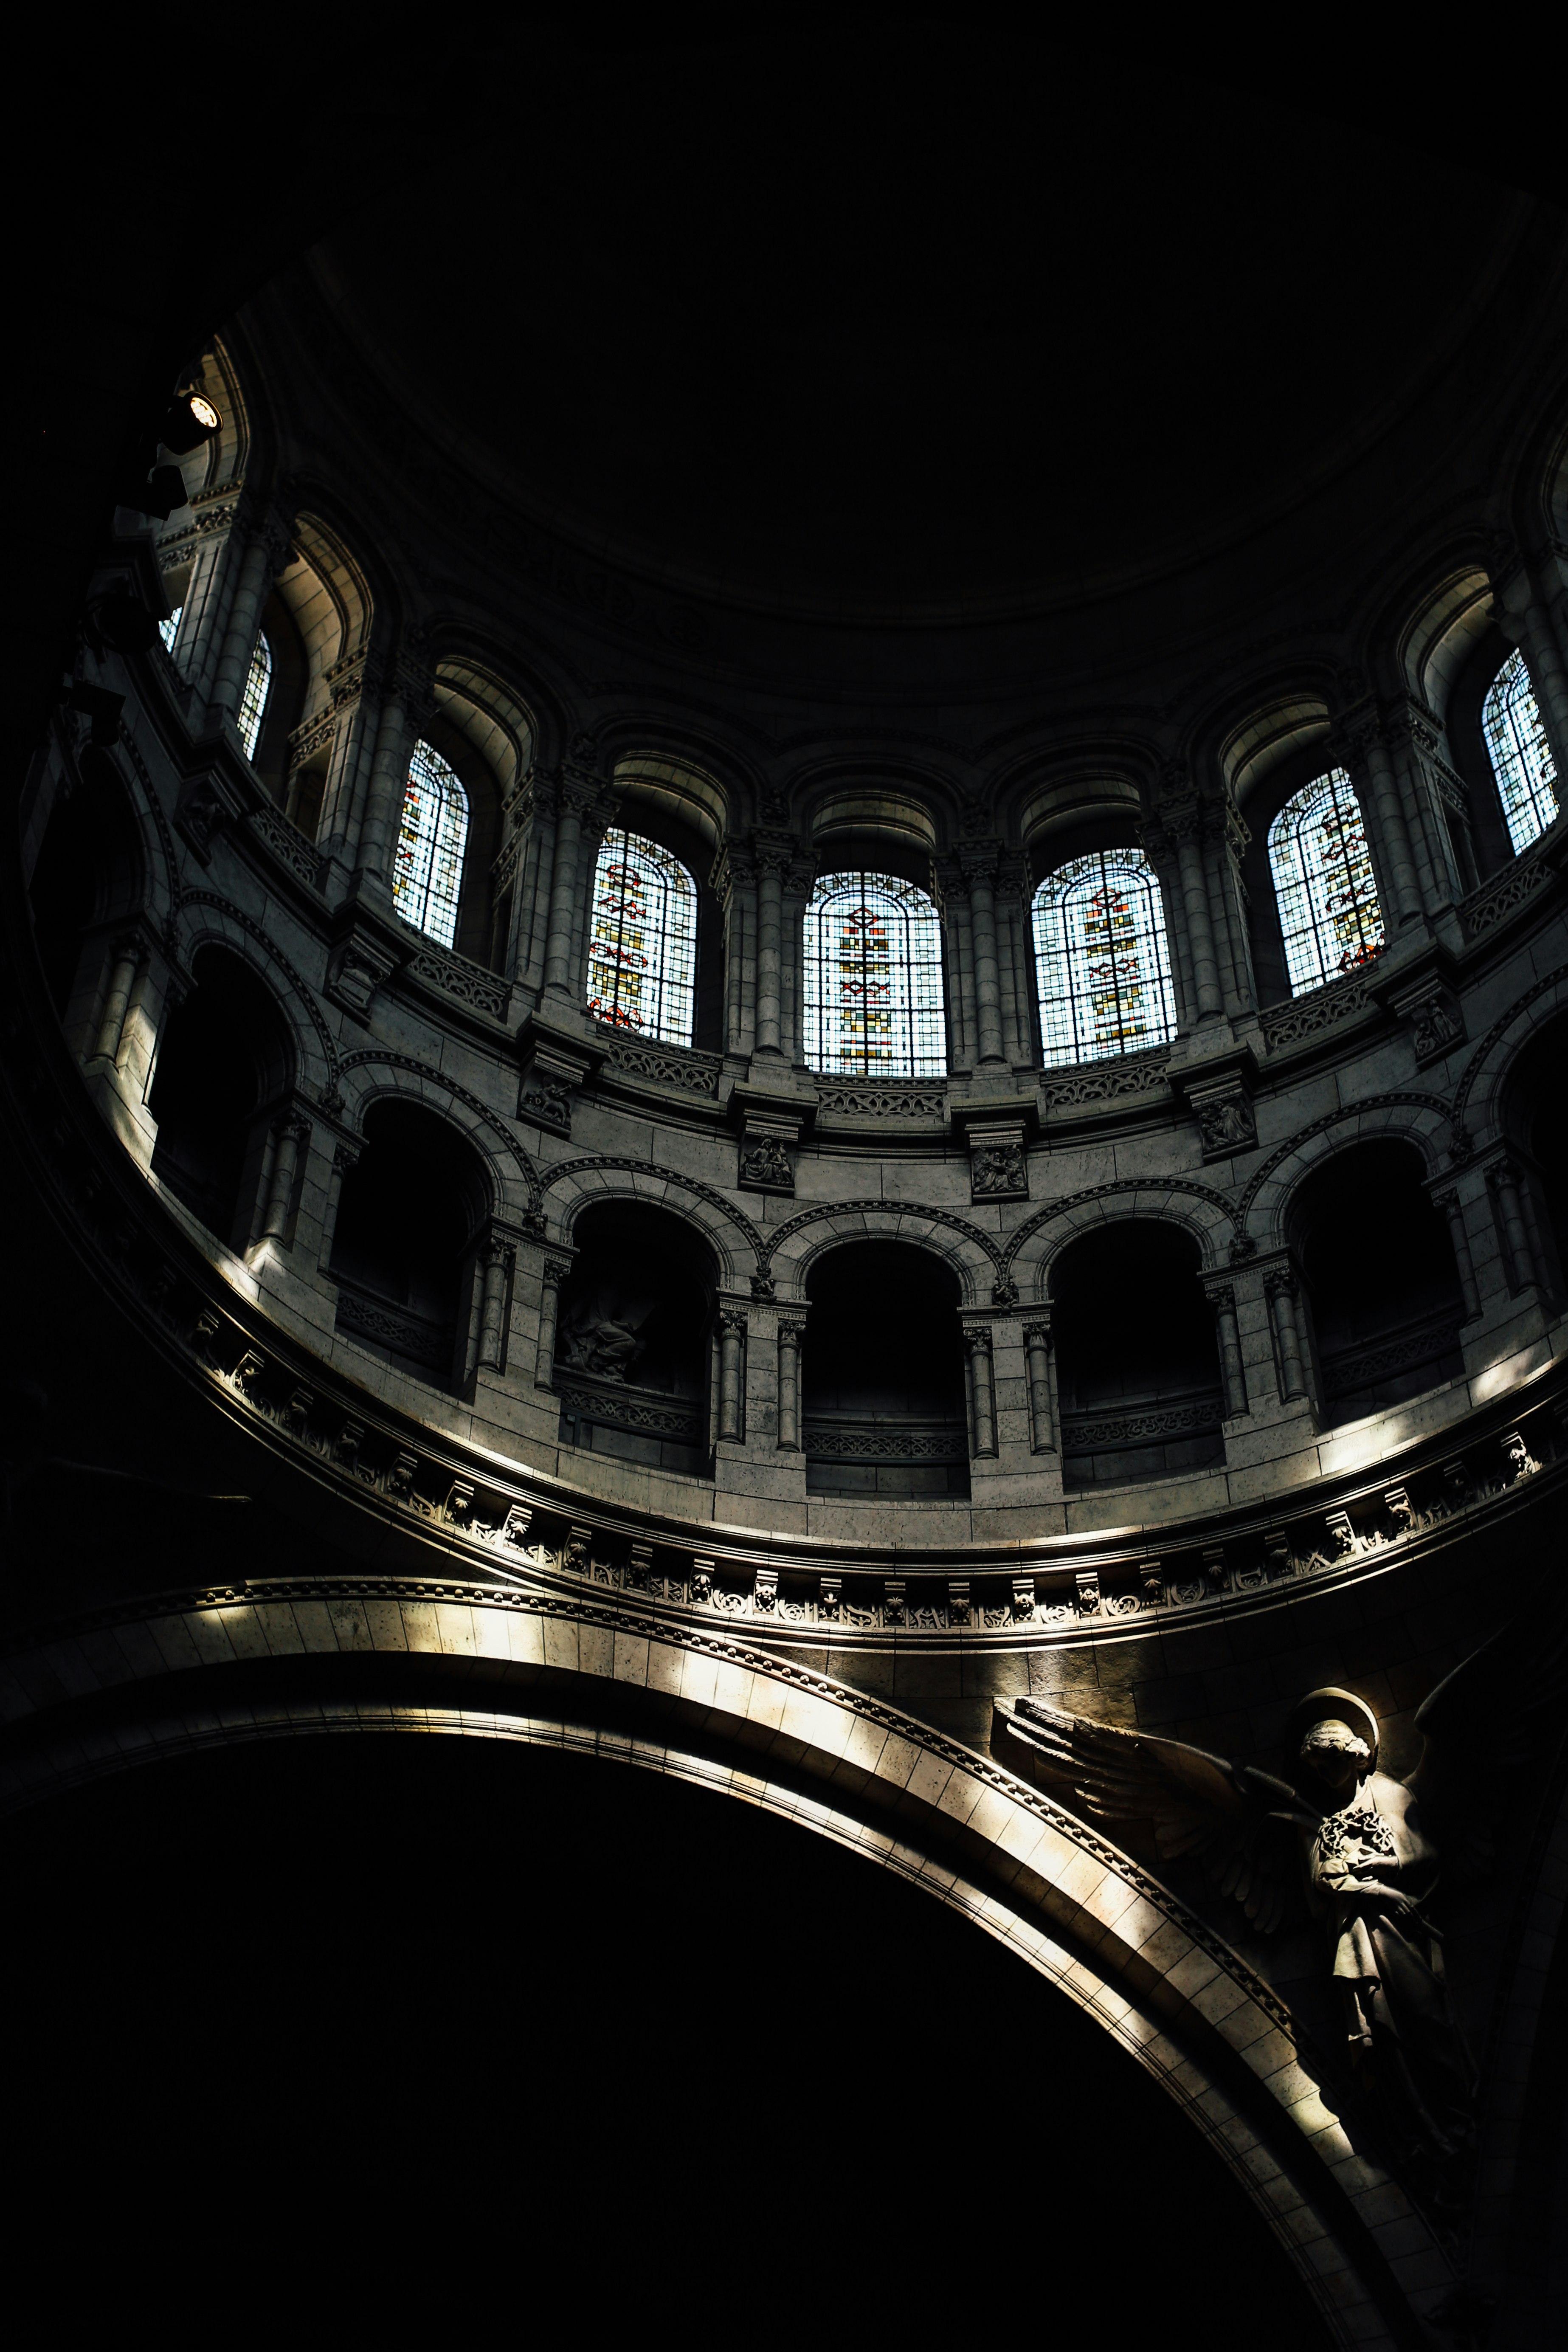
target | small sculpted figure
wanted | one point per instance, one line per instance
(1365, 1851)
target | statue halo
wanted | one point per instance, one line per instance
(1320, 1706)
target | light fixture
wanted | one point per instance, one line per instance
(191, 419)
(160, 494)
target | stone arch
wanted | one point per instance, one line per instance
(796, 1247)
(372, 1076)
(201, 919)
(328, 599)
(729, 1232)
(1208, 1215)
(907, 802)
(160, 864)
(1270, 729)
(1420, 1119)
(1442, 628)
(600, 1678)
(1478, 1098)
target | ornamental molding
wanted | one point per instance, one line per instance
(1183, 1185)
(1282, 1152)
(377, 1057)
(901, 1209)
(299, 988)
(623, 1162)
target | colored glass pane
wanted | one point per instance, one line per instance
(253, 701)
(1102, 967)
(1521, 760)
(427, 869)
(169, 629)
(642, 948)
(873, 979)
(1324, 884)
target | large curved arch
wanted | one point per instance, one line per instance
(1198, 1209)
(583, 1183)
(514, 1186)
(971, 1255)
(1417, 1119)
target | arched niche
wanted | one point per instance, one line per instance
(224, 1069)
(1535, 1120)
(882, 1374)
(89, 877)
(410, 1215)
(1384, 1301)
(634, 1347)
(1137, 1360)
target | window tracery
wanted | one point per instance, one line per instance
(642, 948)
(1102, 964)
(427, 869)
(874, 1002)
(1521, 758)
(253, 702)
(1326, 891)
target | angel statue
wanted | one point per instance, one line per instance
(1366, 1849)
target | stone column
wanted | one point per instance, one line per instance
(791, 1331)
(128, 955)
(289, 1134)
(772, 860)
(344, 1156)
(1365, 756)
(1042, 1415)
(1464, 1266)
(1413, 737)
(1233, 1375)
(731, 1375)
(981, 1395)
(552, 1274)
(1520, 612)
(978, 862)
(495, 1259)
(1015, 957)
(403, 713)
(950, 889)
(734, 880)
(217, 517)
(1186, 826)
(1279, 1289)
(265, 555)
(582, 802)
(1503, 1179)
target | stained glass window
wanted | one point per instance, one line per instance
(427, 869)
(169, 630)
(1522, 761)
(253, 702)
(1324, 884)
(642, 952)
(873, 979)
(1101, 963)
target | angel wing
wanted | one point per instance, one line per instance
(1239, 1821)
(1487, 1724)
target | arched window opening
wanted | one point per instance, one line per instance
(409, 1215)
(882, 1394)
(1323, 882)
(169, 629)
(253, 701)
(1521, 758)
(222, 1069)
(873, 979)
(427, 870)
(1102, 967)
(633, 1339)
(1383, 1299)
(1138, 1368)
(642, 952)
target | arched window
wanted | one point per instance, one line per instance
(642, 952)
(1102, 968)
(427, 870)
(253, 702)
(169, 629)
(873, 979)
(1323, 880)
(1521, 761)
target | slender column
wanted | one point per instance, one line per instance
(1529, 623)
(554, 1274)
(1037, 1347)
(978, 867)
(388, 785)
(734, 885)
(982, 1396)
(578, 793)
(494, 1259)
(1280, 1291)
(790, 1332)
(289, 1134)
(1367, 748)
(732, 1373)
(1504, 1181)
(1233, 1373)
(260, 560)
(1185, 828)
(1464, 1266)
(344, 1156)
(770, 897)
(121, 980)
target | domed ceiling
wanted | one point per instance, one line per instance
(912, 321)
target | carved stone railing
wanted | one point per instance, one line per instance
(1102, 1432)
(422, 1341)
(287, 843)
(644, 1062)
(469, 984)
(1401, 1351)
(1498, 897)
(883, 1097)
(867, 1441)
(585, 1399)
(1107, 1081)
(1325, 1008)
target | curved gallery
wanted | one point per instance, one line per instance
(1209, 1150)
